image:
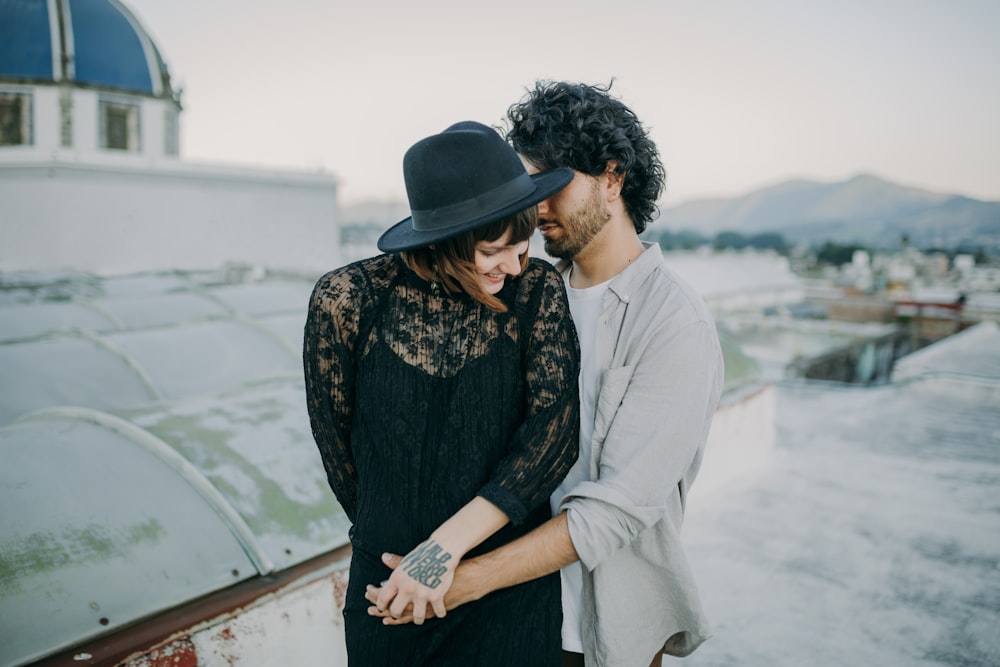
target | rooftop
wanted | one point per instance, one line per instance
(155, 439)
(872, 536)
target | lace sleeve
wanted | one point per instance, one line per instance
(546, 444)
(331, 334)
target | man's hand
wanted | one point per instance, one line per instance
(372, 593)
(459, 593)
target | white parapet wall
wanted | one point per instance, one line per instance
(301, 625)
(740, 442)
(298, 622)
(969, 353)
(116, 214)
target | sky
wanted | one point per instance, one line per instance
(738, 94)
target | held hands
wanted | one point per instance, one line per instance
(419, 580)
(372, 592)
(422, 578)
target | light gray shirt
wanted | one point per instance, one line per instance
(660, 371)
(586, 306)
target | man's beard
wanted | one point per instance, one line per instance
(580, 228)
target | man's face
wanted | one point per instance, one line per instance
(570, 219)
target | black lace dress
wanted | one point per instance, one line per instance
(421, 400)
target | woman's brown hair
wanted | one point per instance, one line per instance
(452, 263)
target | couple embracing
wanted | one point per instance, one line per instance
(513, 441)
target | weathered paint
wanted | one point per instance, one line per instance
(180, 653)
(300, 624)
(300, 627)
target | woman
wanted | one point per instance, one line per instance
(441, 380)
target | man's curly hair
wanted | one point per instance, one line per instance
(561, 124)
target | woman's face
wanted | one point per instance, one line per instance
(495, 260)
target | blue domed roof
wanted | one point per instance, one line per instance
(97, 43)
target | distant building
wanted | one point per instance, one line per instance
(90, 171)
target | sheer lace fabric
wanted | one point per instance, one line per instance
(420, 400)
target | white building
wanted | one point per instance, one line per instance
(91, 177)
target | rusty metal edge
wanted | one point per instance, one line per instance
(177, 623)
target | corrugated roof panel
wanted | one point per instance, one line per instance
(67, 370)
(30, 320)
(267, 298)
(290, 328)
(100, 529)
(143, 283)
(142, 311)
(256, 448)
(206, 357)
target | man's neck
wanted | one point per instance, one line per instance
(607, 255)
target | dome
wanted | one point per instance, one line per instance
(91, 43)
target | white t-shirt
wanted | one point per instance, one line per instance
(585, 306)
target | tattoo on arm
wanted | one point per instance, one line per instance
(426, 563)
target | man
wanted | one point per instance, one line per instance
(651, 377)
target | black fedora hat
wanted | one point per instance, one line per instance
(461, 179)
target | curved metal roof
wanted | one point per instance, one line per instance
(96, 43)
(156, 448)
(110, 526)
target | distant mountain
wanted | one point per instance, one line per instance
(865, 209)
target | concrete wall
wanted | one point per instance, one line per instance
(740, 442)
(114, 214)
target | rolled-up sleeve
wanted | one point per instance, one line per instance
(649, 440)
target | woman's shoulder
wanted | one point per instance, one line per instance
(540, 274)
(372, 269)
(539, 269)
(357, 279)
(539, 283)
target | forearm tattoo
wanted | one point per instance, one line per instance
(426, 563)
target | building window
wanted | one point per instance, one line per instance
(170, 134)
(66, 118)
(15, 119)
(120, 126)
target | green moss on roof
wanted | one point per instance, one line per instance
(47, 552)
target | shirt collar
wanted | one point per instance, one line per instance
(626, 283)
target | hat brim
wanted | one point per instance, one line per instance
(402, 236)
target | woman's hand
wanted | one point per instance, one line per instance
(422, 578)
(425, 574)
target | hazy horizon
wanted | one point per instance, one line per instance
(738, 96)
